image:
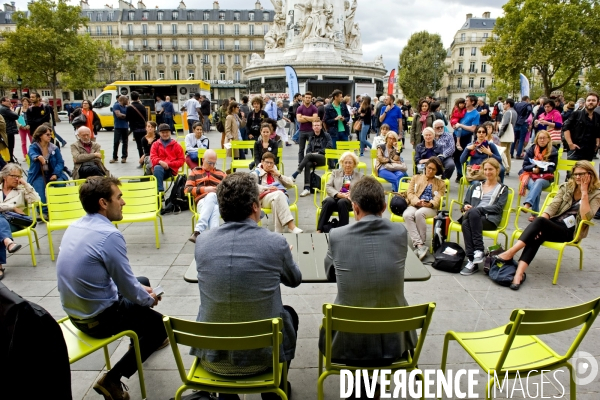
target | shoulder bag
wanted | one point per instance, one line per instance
(474, 173)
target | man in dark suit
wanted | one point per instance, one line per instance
(367, 260)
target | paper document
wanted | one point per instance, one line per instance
(542, 164)
(450, 251)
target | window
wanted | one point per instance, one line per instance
(145, 43)
(144, 29)
(131, 76)
(473, 51)
(129, 29)
(485, 36)
(250, 16)
(176, 75)
(98, 30)
(250, 29)
(159, 44)
(237, 76)
(221, 29)
(471, 83)
(265, 29)
(146, 59)
(110, 16)
(236, 29)
(266, 16)
(190, 58)
(146, 75)
(205, 44)
(159, 29)
(160, 15)
(461, 51)
(190, 44)
(174, 29)
(46, 93)
(99, 17)
(104, 100)
(160, 59)
(482, 83)
(222, 16)
(130, 45)
(175, 59)
(109, 30)
(145, 15)
(236, 59)
(174, 43)
(459, 83)
(87, 29)
(462, 37)
(472, 66)
(236, 16)
(206, 59)
(206, 15)
(483, 67)
(251, 44)
(175, 15)
(131, 15)
(190, 29)
(205, 29)
(222, 75)
(191, 74)
(90, 92)
(460, 67)
(473, 37)
(161, 74)
(190, 15)
(221, 44)
(221, 58)
(236, 44)
(206, 75)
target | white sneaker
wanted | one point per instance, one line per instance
(422, 252)
(469, 269)
(478, 257)
(297, 230)
(305, 193)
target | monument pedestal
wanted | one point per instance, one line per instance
(319, 50)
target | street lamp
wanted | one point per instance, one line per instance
(20, 82)
(577, 86)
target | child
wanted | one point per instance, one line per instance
(458, 112)
(380, 139)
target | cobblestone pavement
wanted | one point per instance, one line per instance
(463, 303)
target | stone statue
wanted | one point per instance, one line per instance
(275, 38)
(349, 20)
(316, 16)
(278, 6)
(257, 57)
(379, 61)
(353, 42)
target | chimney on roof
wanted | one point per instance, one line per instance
(182, 5)
(108, 7)
(257, 5)
(469, 16)
(141, 5)
(84, 5)
(215, 5)
(10, 7)
(486, 14)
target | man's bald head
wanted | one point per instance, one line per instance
(210, 160)
(84, 133)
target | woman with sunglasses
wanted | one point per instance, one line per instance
(577, 200)
(479, 151)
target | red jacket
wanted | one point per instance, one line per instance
(172, 155)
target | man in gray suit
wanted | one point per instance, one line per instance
(240, 268)
(367, 260)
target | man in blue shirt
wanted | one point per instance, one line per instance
(464, 130)
(523, 110)
(121, 132)
(391, 115)
(270, 108)
(98, 290)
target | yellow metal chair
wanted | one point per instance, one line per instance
(374, 172)
(457, 227)
(464, 183)
(27, 231)
(358, 320)
(403, 186)
(320, 195)
(353, 146)
(514, 350)
(563, 165)
(64, 207)
(293, 206)
(280, 157)
(560, 247)
(241, 145)
(142, 202)
(227, 336)
(80, 345)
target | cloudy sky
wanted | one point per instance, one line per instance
(385, 25)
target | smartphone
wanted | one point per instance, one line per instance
(158, 291)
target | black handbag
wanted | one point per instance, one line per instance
(502, 272)
(79, 120)
(315, 182)
(18, 220)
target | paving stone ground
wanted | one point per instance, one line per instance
(463, 303)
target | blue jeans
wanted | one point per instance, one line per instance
(40, 188)
(5, 232)
(520, 134)
(161, 174)
(535, 191)
(191, 123)
(297, 134)
(363, 138)
(392, 177)
(208, 208)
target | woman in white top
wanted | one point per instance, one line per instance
(194, 141)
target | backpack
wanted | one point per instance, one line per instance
(449, 257)
(441, 223)
(177, 200)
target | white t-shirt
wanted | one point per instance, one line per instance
(191, 107)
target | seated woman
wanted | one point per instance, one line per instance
(577, 200)
(482, 211)
(390, 165)
(47, 164)
(380, 139)
(272, 188)
(493, 138)
(315, 154)
(194, 141)
(532, 176)
(338, 191)
(151, 137)
(427, 149)
(87, 159)
(424, 196)
(264, 144)
(550, 121)
(17, 194)
(479, 151)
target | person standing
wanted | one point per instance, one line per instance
(137, 116)
(365, 111)
(294, 108)
(506, 131)
(523, 110)
(158, 109)
(168, 111)
(306, 114)
(192, 107)
(121, 133)
(484, 111)
(336, 118)
(582, 130)
(244, 113)
(23, 126)
(205, 110)
(464, 130)
(270, 108)
(391, 114)
(37, 113)
(10, 117)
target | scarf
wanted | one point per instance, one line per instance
(423, 119)
(538, 155)
(472, 152)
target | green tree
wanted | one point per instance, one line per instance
(556, 39)
(592, 79)
(113, 63)
(422, 65)
(46, 46)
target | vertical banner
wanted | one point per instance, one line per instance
(391, 82)
(524, 85)
(292, 80)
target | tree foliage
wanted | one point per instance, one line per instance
(113, 63)
(422, 65)
(556, 38)
(46, 46)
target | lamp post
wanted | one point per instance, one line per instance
(577, 86)
(20, 82)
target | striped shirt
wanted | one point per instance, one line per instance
(200, 179)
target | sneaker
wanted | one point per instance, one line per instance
(457, 180)
(113, 161)
(140, 166)
(422, 252)
(123, 160)
(297, 230)
(295, 175)
(469, 269)
(305, 193)
(478, 257)
(194, 236)
(111, 390)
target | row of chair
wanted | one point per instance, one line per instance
(507, 351)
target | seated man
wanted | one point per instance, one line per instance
(241, 267)
(98, 290)
(446, 143)
(166, 156)
(368, 276)
(202, 184)
(193, 142)
(87, 159)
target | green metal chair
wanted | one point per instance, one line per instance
(227, 336)
(241, 145)
(320, 195)
(515, 349)
(293, 206)
(30, 210)
(372, 321)
(501, 230)
(374, 172)
(560, 247)
(80, 345)
(353, 146)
